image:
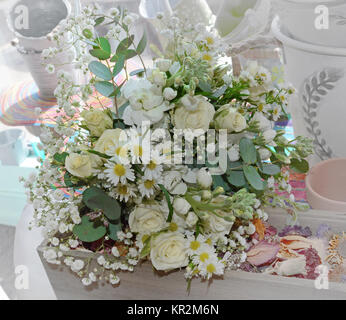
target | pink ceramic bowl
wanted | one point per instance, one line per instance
(326, 185)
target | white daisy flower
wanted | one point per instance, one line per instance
(153, 170)
(148, 187)
(123, 192)
(193, 245)
(120, 151)
(210, 267)
(203, 254)
(276, 113)
(119, 172)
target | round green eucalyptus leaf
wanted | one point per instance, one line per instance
(88, 231)
(253, 177)
(247, 151)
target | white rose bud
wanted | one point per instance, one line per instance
(158, 77)
(264, 153)
(269, 135)
(163, 64)
(204, 178)
(229, 118)
(169, 94)
(191, 219)
(181, 206)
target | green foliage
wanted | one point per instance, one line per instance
(218, 181)
(113, 230)
(146, 248)
(142, 44)
(248, 151)
(102, 155)
(119, 66)
(60, 157)
(168, 199)
(96, 199)
(100, 70)
(270, 169)
(237, 178)
(136, 72)
(103, 49)
(104, 87)
(89, 231)
(300, 166)
(253, 178)
(124, 45)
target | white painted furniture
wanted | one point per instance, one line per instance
(146, 284)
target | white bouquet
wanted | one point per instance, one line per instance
(177, 169)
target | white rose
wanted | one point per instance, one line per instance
(158, 77)
(163, 64)
(181, 206)
(141, 95)
(191, 219)
(146, 102)
(109, 140)
(269, 135)
(204, 178)
(79, 165)
(168, 251)
(189, 102)
(199, 118)
(263, 122)
(230, 119)
(169, 94)
(217, 225)
(97, 121)
(147, 219)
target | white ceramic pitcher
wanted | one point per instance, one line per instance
(319, 108)
(43, 17)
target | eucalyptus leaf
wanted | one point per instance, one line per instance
(142, 44)
(130, 54)
(104, 87)
(113, 230)
(124, 45)
(96, 199)
(237, 178)
(135, 72)
(299, 166)
(253, 177)
(270, 169)
(218, 181)
(99, 20)
(104, 45)
(247, 151)
(89, 231)
(119, 66)
(100, 70)
(100, 54)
